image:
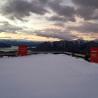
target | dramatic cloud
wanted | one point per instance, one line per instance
(59, 24)
(86, 3)
(52, 18)
(6, 27)
(86, 28)
(22, 8)
(56, 33)
(62, 10)
(87, 9)
(56, 18)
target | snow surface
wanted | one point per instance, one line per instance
(48, 76)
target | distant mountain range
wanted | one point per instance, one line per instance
(74, 46)
(9, 43)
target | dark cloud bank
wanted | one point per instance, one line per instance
(22, 8)
(6, 27)
(86, 9)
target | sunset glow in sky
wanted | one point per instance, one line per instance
(49, 20)
(24, 36)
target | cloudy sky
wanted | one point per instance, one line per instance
(49, 20)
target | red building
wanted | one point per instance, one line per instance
(22, 50)
(94, 54)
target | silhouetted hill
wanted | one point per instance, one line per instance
(9, 43)
(74, 46)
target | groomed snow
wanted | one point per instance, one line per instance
(48, 76)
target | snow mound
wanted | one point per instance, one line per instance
(48, 76)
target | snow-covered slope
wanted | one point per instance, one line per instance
(48, 76)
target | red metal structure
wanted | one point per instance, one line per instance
(22, 50)
(94, 54)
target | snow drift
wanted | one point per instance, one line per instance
(48, 76)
